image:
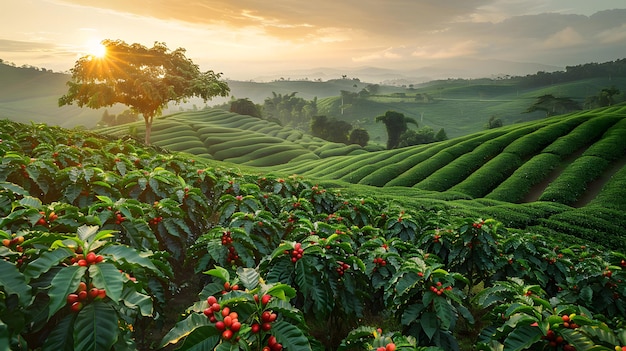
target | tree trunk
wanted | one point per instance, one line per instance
(148, 120)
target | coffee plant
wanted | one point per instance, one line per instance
(111, 245)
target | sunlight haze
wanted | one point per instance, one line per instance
(248, 39)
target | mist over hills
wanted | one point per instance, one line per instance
(448, 68)
(31, 94)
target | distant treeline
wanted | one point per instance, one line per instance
(29, 67)
(611, 69)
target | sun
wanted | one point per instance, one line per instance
(96, 49)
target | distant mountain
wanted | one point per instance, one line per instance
(449, 68)
(31, 94)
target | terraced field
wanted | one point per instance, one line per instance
(565, 174)
(509, 164)
(562, 175)
(225, 136)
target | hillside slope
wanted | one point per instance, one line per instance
(508, 164)
(459, 106)
(28, 94)
(226, 136)
(564, 174)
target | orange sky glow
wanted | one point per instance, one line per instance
(246, 39)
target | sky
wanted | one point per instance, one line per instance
(245, 39)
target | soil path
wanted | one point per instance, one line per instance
(536, 190)
(594, 188)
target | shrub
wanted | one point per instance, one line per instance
(462, 167)
(277, 158)
(338, 151)
(251, 142)
(613, 193)
(489, 176)
(536, 141)
(582, 135)
(573, 181)
(531, 173)
(611, 147)
(381, 175)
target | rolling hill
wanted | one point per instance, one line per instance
(460, 106)
(225, 136)
(564, 174)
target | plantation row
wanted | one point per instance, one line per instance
(100, 237)
(574, 160)
(225, 136)
(502, 164)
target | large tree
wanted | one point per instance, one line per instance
(396, 124)
(552, 105)
(144, 79)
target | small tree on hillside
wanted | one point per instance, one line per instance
(145, 79)
(494, 122)
(552, 105)
(338, 131)
(396, 124)
(441, 135)
(330, 129)
(424, 135)
(359, 136)
(245, 107)
(604, 98)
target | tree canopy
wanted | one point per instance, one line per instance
(144, 79)
(602, 99)
(396, 124)
(552, 105)
(359, 136)
(331, 129)
(245, 107)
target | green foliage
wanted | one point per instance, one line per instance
(520, 182)
(290, 110)
(552, 105)
(396, 124)
(613, 192)
(359, 136)
(330, 261)
(330, 129)
(245, 107)
(604, 98)
(573, 181)
(128, 71)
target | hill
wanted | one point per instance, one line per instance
(128, 247)
(225, 136)
(460, 106)
(30, 94)
(563, 174)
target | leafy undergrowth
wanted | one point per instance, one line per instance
(103, 240)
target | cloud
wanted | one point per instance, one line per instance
(564, 38)
(386, 54)
(458, 49)
(613, 35)
(240, 34)
(280, 17)
(24, 46)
